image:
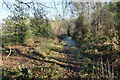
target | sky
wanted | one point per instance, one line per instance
(4, 12)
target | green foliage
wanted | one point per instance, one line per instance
(80, 30)
(52, 72)
(21, 29)
(40, 27)
(14, 31)
(101, 28)
(15, 26)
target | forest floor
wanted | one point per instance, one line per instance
(45, 59)
(48, 59)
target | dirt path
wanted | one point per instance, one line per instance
(74, 64)
(19, 57)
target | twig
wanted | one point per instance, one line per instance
(9, 53)
(8, 6)
(106, 74)
(102, 66)
(56, 9)
(109, 72)
(113, 76)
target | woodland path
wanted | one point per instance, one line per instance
(74, 63)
